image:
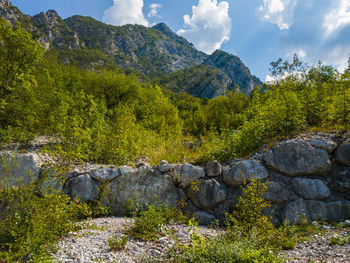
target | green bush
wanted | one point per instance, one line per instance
(151, 219)
(116, 244)
(30, 222)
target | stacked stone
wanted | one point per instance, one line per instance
(308, 178)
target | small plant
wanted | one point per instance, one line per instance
(339, 240)
(116, 243)
(152, 219)
(288, 244)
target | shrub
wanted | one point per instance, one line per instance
(30, 223)
(151, 220)
(116, 244)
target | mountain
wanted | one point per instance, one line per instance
(234, 68)
(157, 52)
(200, 81)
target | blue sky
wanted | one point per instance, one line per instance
(258, 31)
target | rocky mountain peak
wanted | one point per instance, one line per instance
(162, 27)
(51, 18)
(234, 68)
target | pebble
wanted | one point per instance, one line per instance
(319, 250)
(91, 245)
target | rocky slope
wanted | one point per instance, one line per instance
(200, 81)
(233, 67)
(309, 177)
(153, 51)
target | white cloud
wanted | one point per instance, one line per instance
(125, 12)
(279, 12)
(154, 10)
(337, 18)
(209, 26)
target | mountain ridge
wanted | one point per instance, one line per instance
(153, 51)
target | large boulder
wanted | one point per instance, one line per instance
(278, 192)
(209, 194)
(19, 169)
(315, 210)
(238, 172)
(143, 185)
(186, 173)
(296, 158)
(342, 154)
(311, 189)
(82, 187)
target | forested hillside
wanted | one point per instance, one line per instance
(106, 116)
(150, 52)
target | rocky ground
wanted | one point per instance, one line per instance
(91, 244)
(318, 249)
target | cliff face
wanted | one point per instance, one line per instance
(154, 51)
(234, 68)
(200, 81)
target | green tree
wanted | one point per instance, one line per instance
(18, 57)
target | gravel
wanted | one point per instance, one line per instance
(91, 244)
(317, 249)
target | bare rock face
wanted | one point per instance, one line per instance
(311, 189)
(209, 194)
(144, 185)
(296, 158)
(233, 176)
(342, 154)
(19, 169)
(315, 210)
(82, 187)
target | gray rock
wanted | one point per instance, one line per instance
(187, 173)
(204, 218)
(278, 192)
(19, 169)
(340, 181)
(315, 210)
(213, 169)
(163, 162)
(342, 154)
(164, 168)
(82, 187)
(324, 144)
(105, 174)
(209, 194)
(144, 185)
(297, 157)
(233, 176)
(311, 189)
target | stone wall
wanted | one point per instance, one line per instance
(308, 176)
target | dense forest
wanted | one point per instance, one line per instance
(109, 116)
